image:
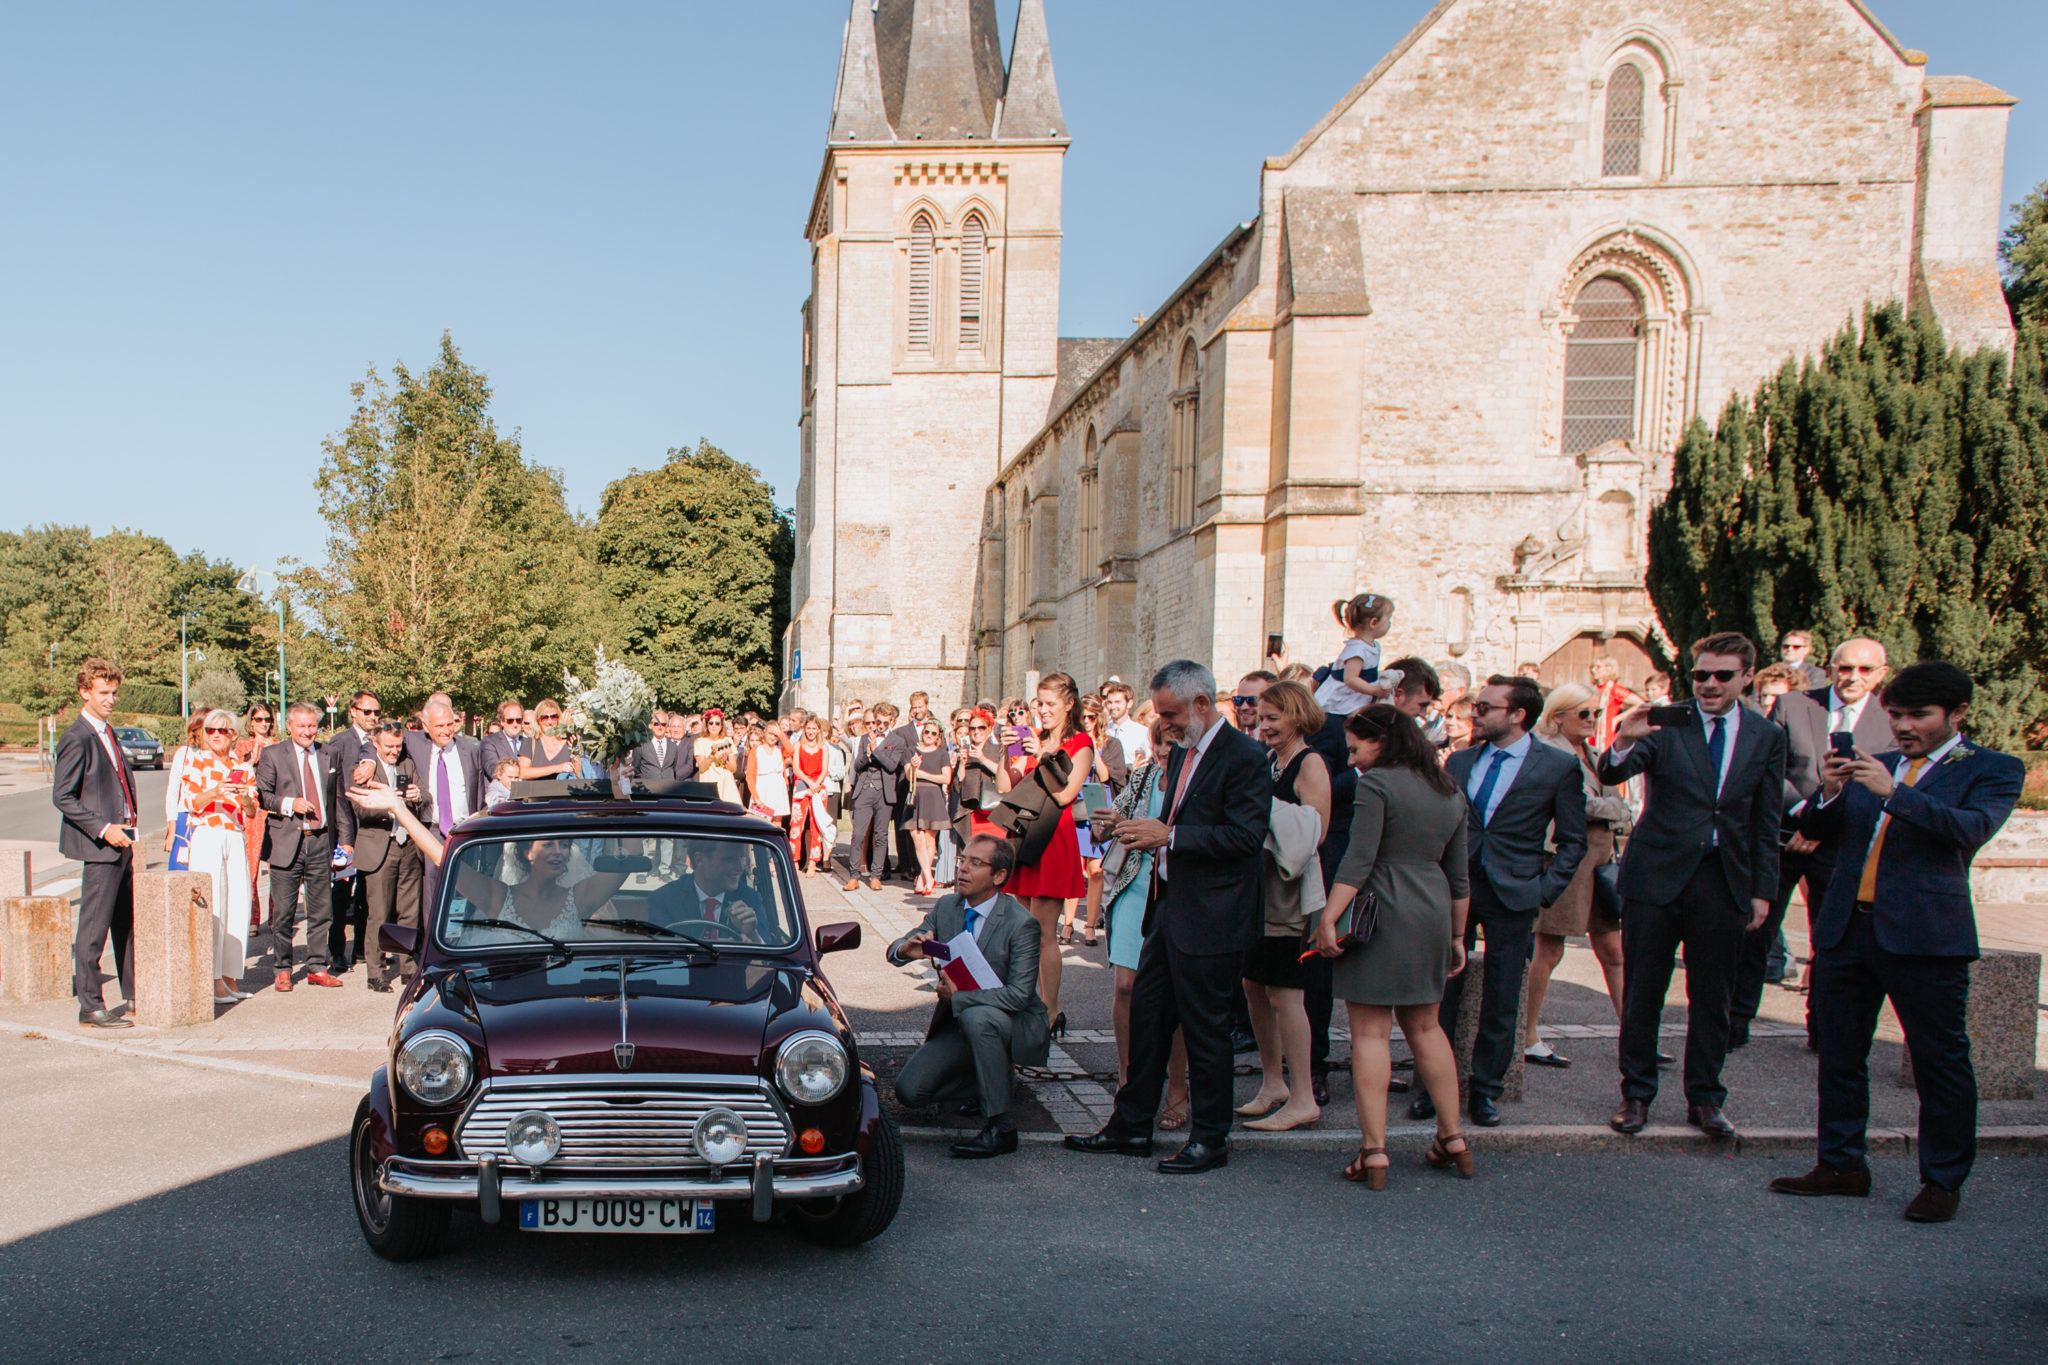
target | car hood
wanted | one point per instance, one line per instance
(678, 1017)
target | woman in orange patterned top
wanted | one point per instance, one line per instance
(217, 795)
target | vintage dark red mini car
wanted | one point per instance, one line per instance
(619, 1024)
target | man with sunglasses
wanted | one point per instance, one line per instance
(1700, 870)
(1811, 718)
(351, 907)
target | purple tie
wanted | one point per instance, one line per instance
(444, 800)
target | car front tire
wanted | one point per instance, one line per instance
(865, 1215)
(396, 1227)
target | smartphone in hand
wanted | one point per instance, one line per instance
(1662, 716)
(1843, 743)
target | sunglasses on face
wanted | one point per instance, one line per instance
(1487, 708)
(1700, 675)
(219, 730)
(1245, 701)
(370, 711)
(1583, 715)
(1859, 668)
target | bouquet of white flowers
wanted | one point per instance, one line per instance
(613, 718)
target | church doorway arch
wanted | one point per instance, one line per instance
(1573, 661)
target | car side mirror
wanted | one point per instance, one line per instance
(834, 938)
(399, 938)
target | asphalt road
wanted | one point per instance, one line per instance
(154, 1212)
(29, 814)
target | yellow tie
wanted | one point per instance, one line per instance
(1866, 890)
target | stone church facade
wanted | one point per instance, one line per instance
(1448, 361)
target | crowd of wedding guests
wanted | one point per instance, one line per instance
(1351, 831)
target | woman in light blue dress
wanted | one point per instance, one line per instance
(1124, 894)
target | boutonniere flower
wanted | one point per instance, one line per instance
(1958, 754)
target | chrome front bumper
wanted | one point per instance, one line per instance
(464, 1180)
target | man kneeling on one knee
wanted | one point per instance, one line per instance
(978, 1035)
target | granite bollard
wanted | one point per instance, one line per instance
(36, 933)
(173, 949)
(1468, 1029)
(2005, 992)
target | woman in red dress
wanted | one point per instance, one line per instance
(1057, 877)
(808, 816)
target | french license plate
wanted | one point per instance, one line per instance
(617, 1215)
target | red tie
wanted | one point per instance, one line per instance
(711, 908)
(312, 788)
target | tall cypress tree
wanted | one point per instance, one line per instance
(1893, 488)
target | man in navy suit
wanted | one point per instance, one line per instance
(95, 794)
(1898, 922)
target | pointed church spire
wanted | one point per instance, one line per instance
(1031, 98)
(858, 112)
(942, 67)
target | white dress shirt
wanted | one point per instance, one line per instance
(1515, 752)
(1182, 781)
(1843, 715)
(1135, 738)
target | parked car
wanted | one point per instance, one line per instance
(140, 745)
(619, 1023)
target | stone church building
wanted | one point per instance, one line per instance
(1448, 360)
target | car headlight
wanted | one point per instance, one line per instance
(720, 1137)
(434, 1068)
(811, 1068)
(533, 1138)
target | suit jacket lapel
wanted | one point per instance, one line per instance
(1204, 770)
(1748, 735)
(1693, 738)
(1529, 761)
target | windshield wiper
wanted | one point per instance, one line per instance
(642, 926)
(515, 925)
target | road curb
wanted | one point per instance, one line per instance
(1568, 1140)
(195, 1059)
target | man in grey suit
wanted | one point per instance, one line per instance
(388, 863)
(451, 772)
(350, 745)
(1523, 797)
(299, 785)
(1849, 707)
(977, 1036)
(668, 756)
(1701, 867)
(510, 741)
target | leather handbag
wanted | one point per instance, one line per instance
(1364, 917)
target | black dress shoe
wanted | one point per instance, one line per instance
(1666, 1059)
(1485, 1112)
(1240, 1041)
(1556, 1059)
(1195, 1158)
(1738, 1037)
(1112, 1143)
(990, 1141)
(1399, 1085)
(1709, 1120)
(381, 987)
(1632, 1117)
(1933, 1204)
(1824, 1179)
(1420, 1107)
(103, 1019)
(1319, 1086)
(970, 1110)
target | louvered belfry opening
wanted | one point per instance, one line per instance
(1623, 150)
(1600, 365)
(973, 269)
(920, 335)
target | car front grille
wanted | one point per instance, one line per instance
(623, 1125)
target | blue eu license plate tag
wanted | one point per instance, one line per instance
(618, 1215)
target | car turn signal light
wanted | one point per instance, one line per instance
(435, 1140)
(812, 1141)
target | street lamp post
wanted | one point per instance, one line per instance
(185, 657)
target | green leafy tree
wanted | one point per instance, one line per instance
(2023, 250)
(1893, 488)
(45, 593)
(130, 620)
(695, 558)
(227, 623)
(219, 689)
(453, 564)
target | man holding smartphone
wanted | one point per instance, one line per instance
(1844, 715)
(1700, 870)
(94, 792)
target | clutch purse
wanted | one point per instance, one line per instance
(1362, 918)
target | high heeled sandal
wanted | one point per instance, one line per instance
(1441, 1156)
(1174, 1117)
(1360, 1173)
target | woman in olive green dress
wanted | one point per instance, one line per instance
(1407, 851)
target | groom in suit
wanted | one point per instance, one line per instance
(1701, 870)
(1205, 912)
(1522, 797)
(95, 794)
(977, 1036)
(1898, 923)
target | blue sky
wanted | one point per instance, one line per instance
(214, 217)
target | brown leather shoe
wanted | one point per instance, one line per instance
(874, 883)
(1632, 1117)
(852, 884)
(1824, 1179)
(1709, 1120)
(282, 983)
(322, 979)
(1933, 1204)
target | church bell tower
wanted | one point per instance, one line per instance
(929, 339)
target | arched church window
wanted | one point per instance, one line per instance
(1623, 152)
(973, 271)
(1600, 365)
(1187, 398)
(920, 336)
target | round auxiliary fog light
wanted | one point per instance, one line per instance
(812, 1141)
(533, 1139)
(435, 1140)
(720, 1137)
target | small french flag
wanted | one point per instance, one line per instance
(962, 963)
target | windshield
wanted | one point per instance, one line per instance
(129, 732)
(649, 892)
